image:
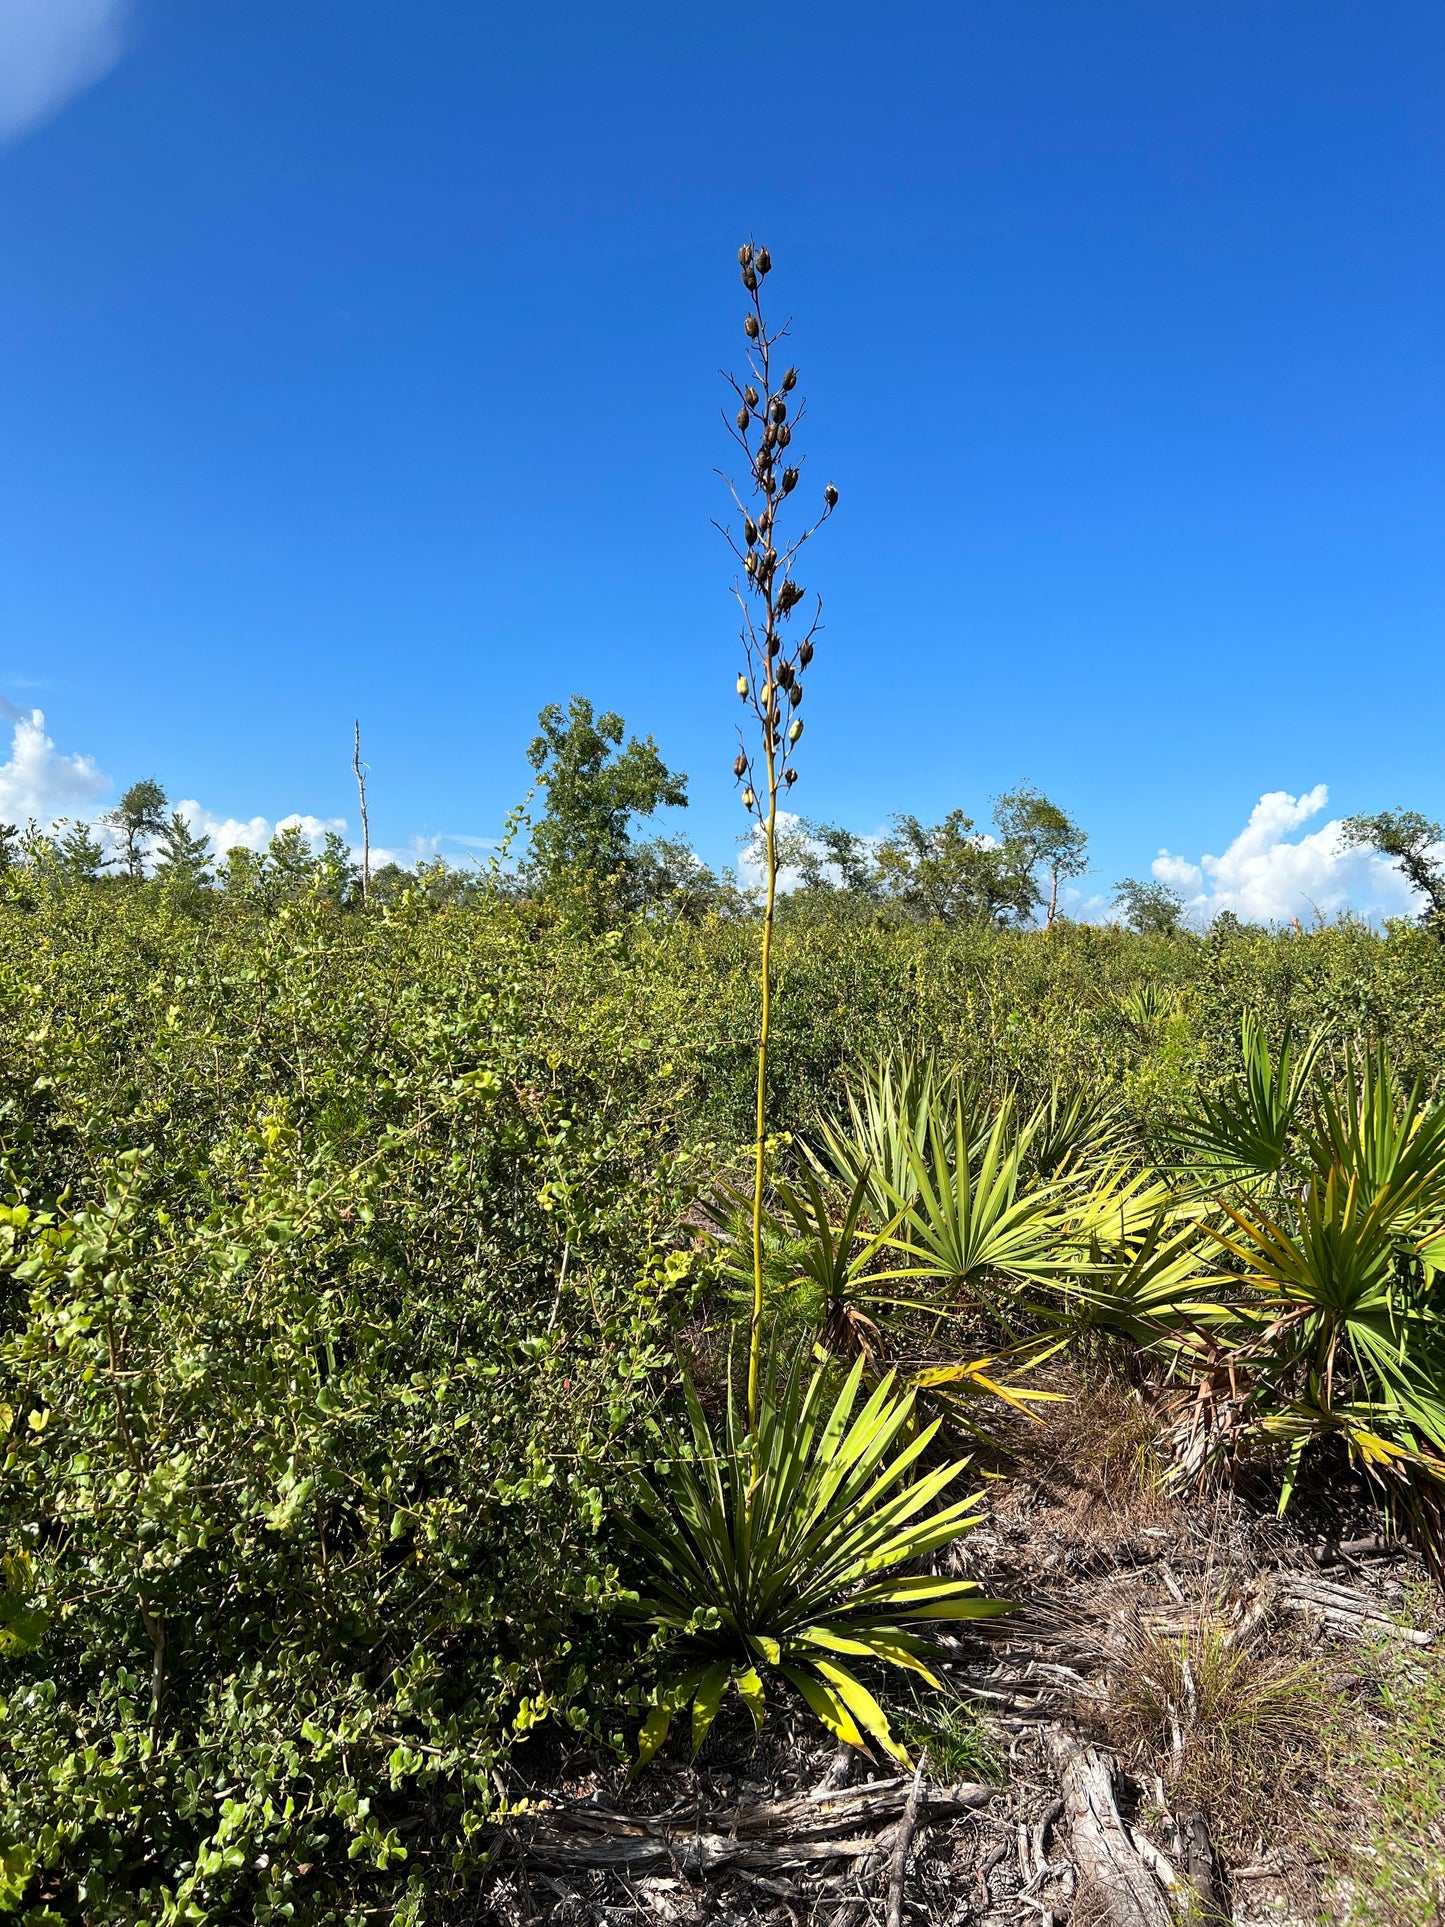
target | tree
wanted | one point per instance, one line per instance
(79, 854)
(9, 845)
(1154, 909)
(951, 873)
(1026, 817)
(1409, 838)
(182, 858)
(581, 850)
(140, 813)
(668, 878)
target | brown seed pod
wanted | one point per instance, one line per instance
(743, 419)
(750, 532)
(765, 261)
(785, 675)
(750, 281)
(745, 256)
(750, 396)
(790, 381)
(795, 694)
(750, 326)
(785, 435)
(805, 653)
(740, 767)
(790, 480)
(770, 435)
(830, 496)
(779, 411)
(790, 777)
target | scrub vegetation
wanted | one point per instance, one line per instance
(459, 1333)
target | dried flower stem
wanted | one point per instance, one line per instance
(771, 682)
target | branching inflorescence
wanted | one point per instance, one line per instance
(776, 656)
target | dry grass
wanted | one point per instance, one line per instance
(1095, 1455)
(1224, 1714)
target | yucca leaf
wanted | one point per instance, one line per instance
(707, 1700)
(826, 1705)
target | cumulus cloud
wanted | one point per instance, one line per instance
(1268, 875)
(38, 781)
(51, 50)
(255, 832)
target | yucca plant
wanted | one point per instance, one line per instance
(783, 1550)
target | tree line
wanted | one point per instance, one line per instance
(584, 859)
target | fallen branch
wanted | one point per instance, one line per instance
(824, 1825)
(1103, 1851)
(906, 1826)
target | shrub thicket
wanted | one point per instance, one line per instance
(342, 1259)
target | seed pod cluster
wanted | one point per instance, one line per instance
(773, 682)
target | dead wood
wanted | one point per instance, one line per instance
(906, 1826)
(1104, 1852)
(828, 1824)
(1345, 1607)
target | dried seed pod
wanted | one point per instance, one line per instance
(830, 496)
(750, 531)
(790, 777)
(750, 281)
(765, 261)
(790, 381)
(785, 675)
(740, 767)
(790, 480)
(750, 396)
(743, 687)
(750, 326)
(765, 520)
(770, 435)
(743, 418)
(748, 799)
(785, 435)
(805, 653)
(795, 729)
(751, 565)
(771, 645)
(779, 411)
(745, 256)
(795, 694)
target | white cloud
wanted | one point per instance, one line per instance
(38, 781)
(1263, 877)
(50, 50)
(254, 833)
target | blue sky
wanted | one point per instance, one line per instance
(361, 359)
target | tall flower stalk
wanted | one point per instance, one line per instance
(776, 660)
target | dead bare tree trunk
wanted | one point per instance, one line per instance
(359, 770)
